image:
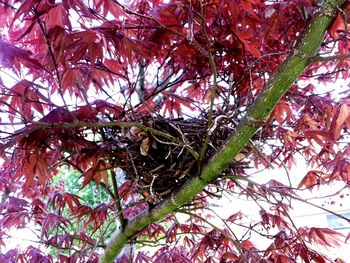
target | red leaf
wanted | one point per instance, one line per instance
(252, 49)
(16, 219)
(58, 16)
(188, 242)
(323, 236)
(59, 115)
(282, 112)
(236, 216)
(142, 257)
(229, 257)
(86, 113)
(79, 6)
(175, 104)
(52, 220)
(60, 200)
(24, 97)
(98, 173)
(168, 14)
(105, 107)
(311, 179)
(342, 117)
(347, 238)
(98, 216)
(11, 56)
(33, 165)
(71, 79)
(247, 244)
(113, 65)
(24, 8)
(102, 173)
(337, 25)
(113, 8)
(88, 177)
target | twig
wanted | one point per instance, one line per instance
(43, 30)
(117, 198)
(235, 241)
(328, 58)
(151, 187)
(213, 89)
(295, 197)
(44, 125)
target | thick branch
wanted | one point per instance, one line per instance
(279, 83)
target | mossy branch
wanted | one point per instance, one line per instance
(279, 83)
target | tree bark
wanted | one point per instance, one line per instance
(297, 61)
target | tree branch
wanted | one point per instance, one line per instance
(308, 45)
(117, 198)
(81, 124)
(328, 58)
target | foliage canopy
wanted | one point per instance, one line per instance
(165, 107)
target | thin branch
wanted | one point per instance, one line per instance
(211, 108)
(328, 58)
(214, 72)
(117, 198)
(230, 229)
(295, 197)
(234, 240)
(44, 125)
(54, 61)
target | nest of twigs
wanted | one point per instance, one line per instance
(161, 154)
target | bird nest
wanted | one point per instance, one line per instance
(160, 154)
